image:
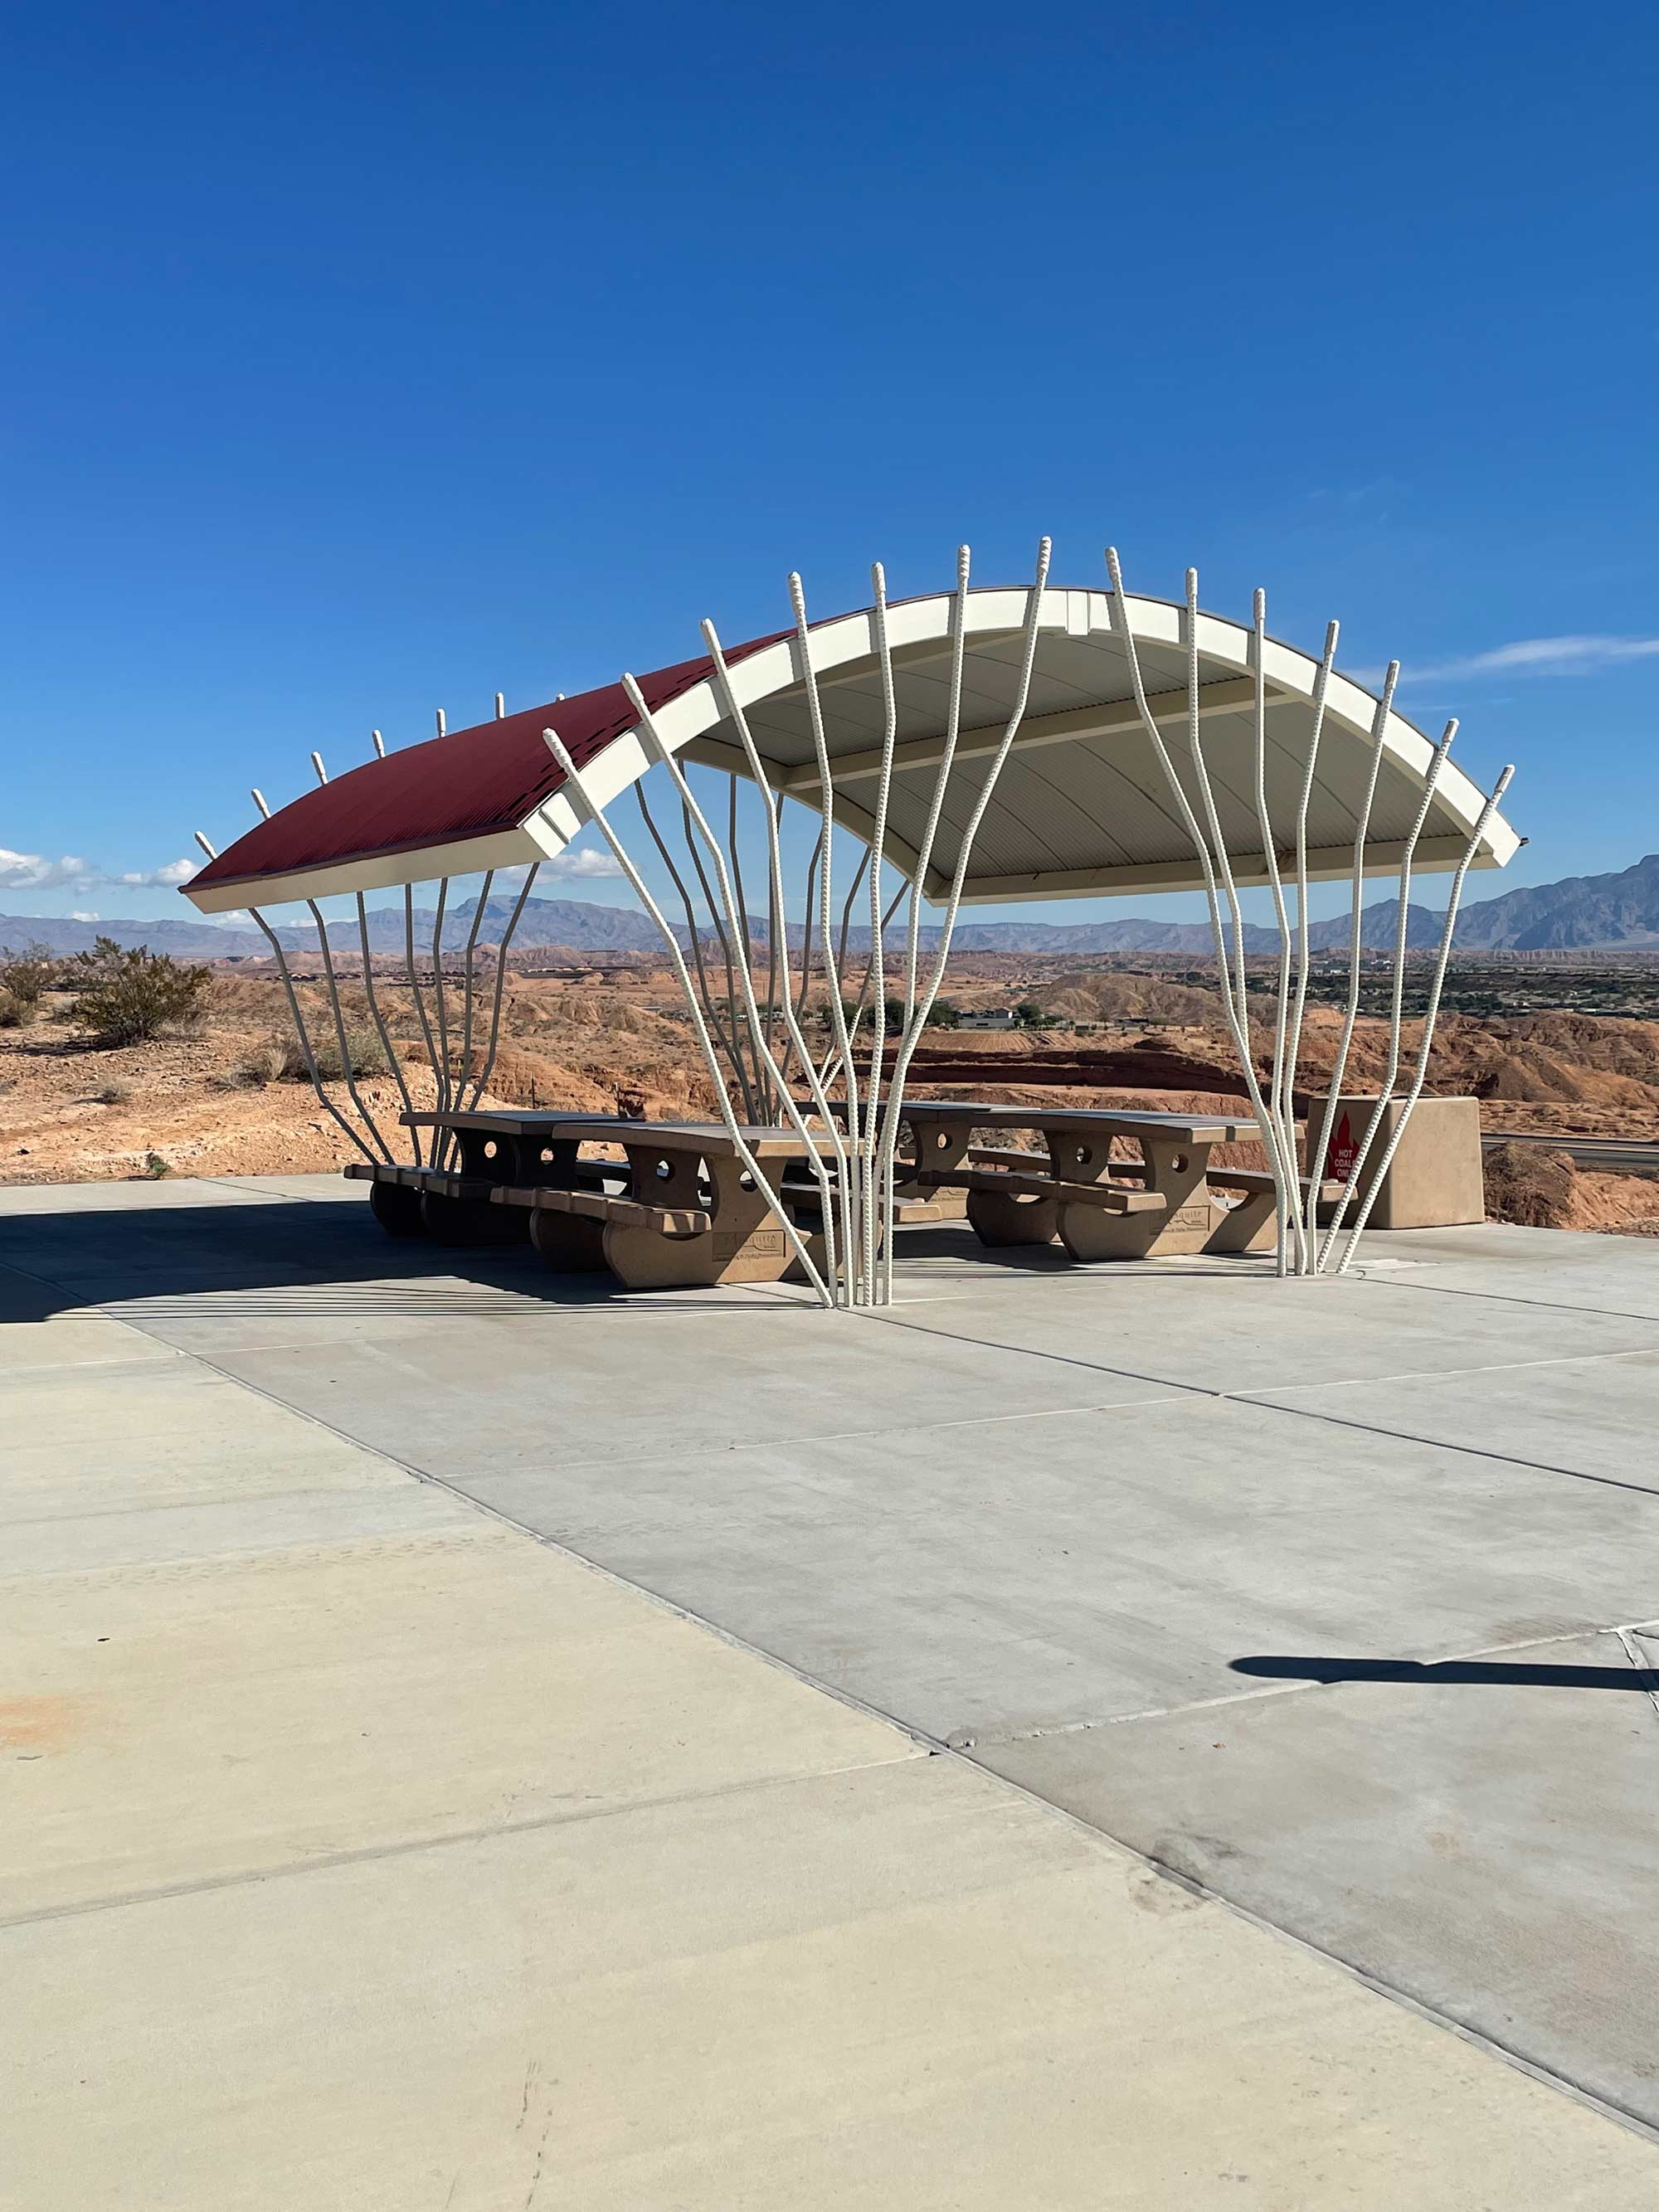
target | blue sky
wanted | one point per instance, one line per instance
(361, 360)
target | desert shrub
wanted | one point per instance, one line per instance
(363, 1048)
(154, 1168)
(259, 1065)
(13, 1013)
(112, 1094)
(1528, 1186)
(25, 976)
(126, 995)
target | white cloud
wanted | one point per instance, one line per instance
(1542, 656)
(170, 872)
(591, 863)
(85, 917)
(34, 871)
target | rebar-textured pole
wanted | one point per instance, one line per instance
(797, 1043)
(417, 994)
(850, 1196)
(861, 999)
(596, 813)
(649, 731)
(348, 1072)
(739, 1061)
(446, 1138)
(806, 923)
(1285, 1191)
(488, 1067)
(808, 1065)
(380, 1030)
(1431, 1015)
(692, 932)
(776, 933)
(299, 1020)
(917, 1021)
(744, 930)
(1235, 993)
(840, 954)
(1237, 1024)
(472, 947)
(875, 1224)
(1293, 1045)
(1340, 1067)
(393, 1062)
(1397, 997)
(1234, 980)
(947, 760)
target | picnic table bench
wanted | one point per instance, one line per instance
(1100, 1208)
(455, 1205)
(691, 1215)
(683, 1210)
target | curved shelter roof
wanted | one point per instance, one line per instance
(1081, 809)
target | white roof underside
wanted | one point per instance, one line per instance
(1083, 806)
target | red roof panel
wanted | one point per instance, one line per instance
(476, 782)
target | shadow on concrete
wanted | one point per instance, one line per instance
(945, 1242)
(1512, 1673)
(320, 1257)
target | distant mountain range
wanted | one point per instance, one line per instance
(571, 923)
(1583, 913)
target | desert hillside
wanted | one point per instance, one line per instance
(219, 1100)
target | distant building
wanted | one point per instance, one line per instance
(996, 1017)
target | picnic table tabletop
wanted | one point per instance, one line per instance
(506, 1121)
(1194, 1128)
(709, 1139)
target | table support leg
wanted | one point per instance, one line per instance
(1000, 1219)
(1176, 1172)
(570, 1244)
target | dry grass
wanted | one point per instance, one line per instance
(1529, 1187)
(280, 1058)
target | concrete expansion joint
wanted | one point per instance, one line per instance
(449, 1839)
(1445, 1444)
(1639, 1660)
(916, 1735)
(962, 1740)
(1446, 1374)
(1544, 1305)
(1389, 1992)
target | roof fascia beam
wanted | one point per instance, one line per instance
(1332, 865)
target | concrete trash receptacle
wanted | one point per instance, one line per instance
(1434, 1179)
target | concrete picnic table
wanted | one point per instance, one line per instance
(691, 1216)
(455, 1205)
(1155, 1205)
(503, 1144)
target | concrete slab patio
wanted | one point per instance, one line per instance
(1149, 1738)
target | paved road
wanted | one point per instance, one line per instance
(1610, 1154)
